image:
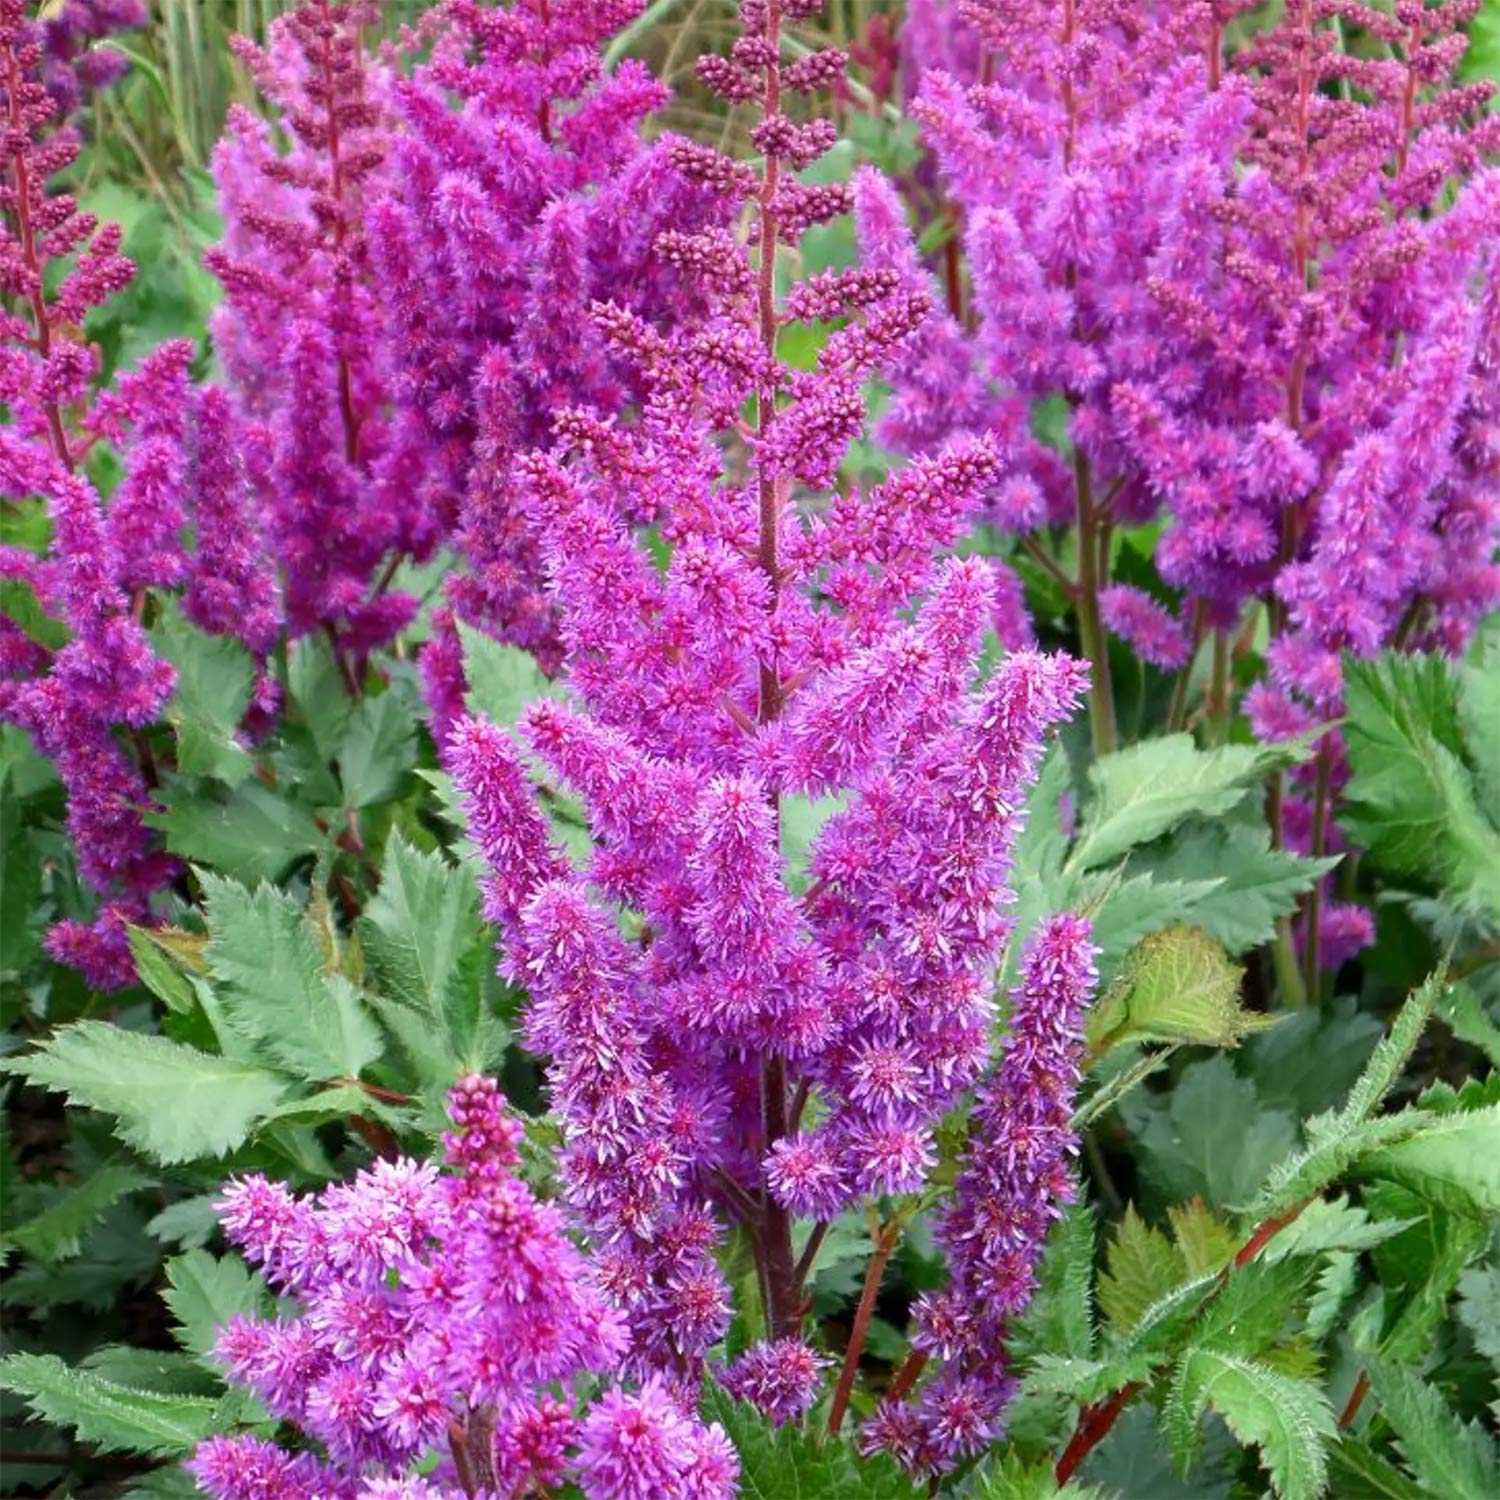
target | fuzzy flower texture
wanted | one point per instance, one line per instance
(774, 976)
(441, 1313)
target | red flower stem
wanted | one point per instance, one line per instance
(1356, 1399)
(885, 1244)
(1095, 1421)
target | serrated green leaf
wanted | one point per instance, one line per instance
(1335, 1285)
(1411, 801)
(316, 689)
(250, 834)
(20, 605)
(1060, 1318)
(1251, 884)
(173, 1102)
(1453, 1160)
(1144, 791)
(1418, 1269)
(1451, 1459)
(274, 988)
(1332, 1224)
(1176, 986)
(784, 1463)
(205, 1292)
(113, 1417)
(1288, 1419)
(1464, 1012)
(1205, 1242)
(377, 749)
(1087, 1380)
(1357, 1472)
(1479, 713)
(215, 678)
(165, 1371)
(1254, 1305)
(158, 973)
(1337, 1139)
(56, 1233)
(1142, 1265)
(1309, 1060)
(420, 933)
(1479, 1309)
(502, 679)
(188, 1223)
(1210, 1137)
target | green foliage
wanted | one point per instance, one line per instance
(1288, 1419)
(1414, 800)
(275, 989)
(204, 1293)
(57, 1232)
(1450, 1458)
(1176, 986)
(117, 1418)
(1142, 792)
(173, 1102)
(785, 1463)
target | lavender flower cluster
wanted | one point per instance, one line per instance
(441, 1311)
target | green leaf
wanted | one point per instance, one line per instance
(215, 678)
(158, 973)
(1254, 1306)
(56, 1233)
(316, 688)
(1451, 1459)
(1335, 1140)
(20, 605)
(1142, 1266)
(1253, 884)
(1288, 1419)
(1060, 1318)
(418, 934)
(502, 679)
(1357, 1472)
(1411, 801)
(785, 1463)
(1176, 986)
(1336, 1283)
(113, 1417)
(1479, 1309)
(1210, 1137)
(1332, 1224)
(276, 991)
(1418, 1269)
(165, 1371)
(1309, 1060)
(1141, 792)
(1465, 1014)
(173, 1102)
(250, 834)
(378, 748)
(1007, 1476)
(20, 889)
(204, 1293)
(1479, 714)
(1454, 1160)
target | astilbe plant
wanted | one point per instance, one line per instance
(88, 678)
(74, 66)
(519, 190)
(407, 282)
(728, 1043)
(1265, 289)
(441, 1310)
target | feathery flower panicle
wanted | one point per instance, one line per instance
(751, 1044)
(76, 700)
(441, 1311)
(488, 257)
(1015, 1175)
(1265, 293)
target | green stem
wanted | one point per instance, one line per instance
(1091, 578)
